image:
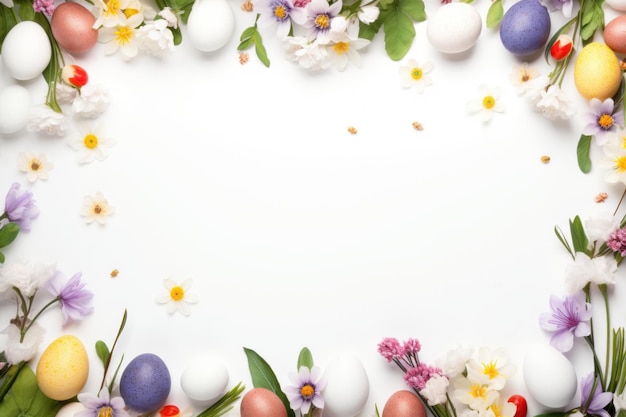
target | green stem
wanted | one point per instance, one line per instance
(603, 291)
(596, 362)
(11, 376)
(44, 308)
(108, 361)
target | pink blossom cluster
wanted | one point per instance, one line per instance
(418, 376)
(617, 241)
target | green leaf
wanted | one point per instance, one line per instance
(579, 237)
(25, 398)
(248, 32)
(8, 234)
(582, 152)
(399, 34)
(102, 350)
(369, 31)
(563, 240)
(1, 258)
(263, 377)
(305, 358)
(178, 35)
(25, 10)
(260, 49)
(225, 403)
(7, 21)
(413, 8)
(495, 14)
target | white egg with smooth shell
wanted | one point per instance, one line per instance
(205, 379)
(210, 25)
(347, 386)
(15, 105)
(26, 51)
(619, 5)
(70, 409)
(549, 376)
(454, 27)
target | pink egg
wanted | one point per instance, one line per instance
(615, 34)
(404, 403)
(72, 27)
(261, 402)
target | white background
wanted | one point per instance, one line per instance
(297, 233)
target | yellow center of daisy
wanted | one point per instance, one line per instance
(123, 35)
(105, 412)
(620, 164)
(35, 165)
(478, 391)
(341, 47)
(113, 7)
(280, 12)
(497, 411)
(177, 293)
(605, 121)
(130, 12)
(417, 73)
(489, 102)
(307, 391)
(91, 141)
(322, 21)
(490, 370)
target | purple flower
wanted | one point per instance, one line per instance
(565, 6)
(75, 300)
(569, 317)
(418, 376)
(599, 399)
(390, 348)
(20, 207)
(602, 119)
(101, 405)
(306, 390)
(617, 241)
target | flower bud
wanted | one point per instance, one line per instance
(562, 47)
(74, 75)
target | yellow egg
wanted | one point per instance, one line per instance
(597, 73)
(63, 368)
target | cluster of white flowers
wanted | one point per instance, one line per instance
(130, 27)
(316, 34)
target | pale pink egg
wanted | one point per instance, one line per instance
(72, 27)
(404, 403)
(261, 402)
(615, 34)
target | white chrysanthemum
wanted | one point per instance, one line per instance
(177, 297)
(555, 104)
(599, 270)
(155, 38)
(24, 276)
(599, 227)
(43, 119)
(308, 54)
(454, 362)
(17, 351)
(66, 93)
(92, 101)
(436, 389)
(35, 166)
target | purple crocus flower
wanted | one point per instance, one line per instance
(598, 401)
(20, 207)
(566, 6)
(101, 405)
(569, 318)
(602, 119)
(75, 300)
(306, 391)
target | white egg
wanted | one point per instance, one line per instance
(454, 27)
(26, 51)
(15, 104)
(619, 5)
(210, 25)
(70, 409)
(549, 376)
(205, 379)
(347, 386)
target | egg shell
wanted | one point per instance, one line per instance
(26, 51)
(454, 28)
(211, 24)
(261, 402)
(615, 34)
(597, 73)
(63, 368)
(619, 5)
(72, 27)
(404, 403)
(549, 376)
(204, 379)
(347, 386)
(70, 409)
(15, 104)
(525, 27)
(145, 383)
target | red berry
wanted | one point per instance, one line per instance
(169, 411)
(520, 403)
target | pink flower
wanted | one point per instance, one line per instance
(418, 377)
(390, 348)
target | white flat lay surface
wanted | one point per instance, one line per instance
(298, 233)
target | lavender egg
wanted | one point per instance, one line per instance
(525, 27)
(145, 383)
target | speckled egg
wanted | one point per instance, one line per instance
(454, 28)
(72, 27)
(615, 34)
(597, 73)
(145, 383)
(404, 403)
(63, 368)
(525, 27)
(261, 402)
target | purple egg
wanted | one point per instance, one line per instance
(145, 383)
(525, 27)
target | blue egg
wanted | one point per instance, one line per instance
(525, 27)
(145, 383)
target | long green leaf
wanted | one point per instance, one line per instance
(399, 34)
(582, 151)
(8, 234)
(563, 240)
(579, 238)
(7, 21)
(305, 358)
(263, 377)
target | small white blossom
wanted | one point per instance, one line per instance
(599, 227)
(619, 402)
(155, 38)
(555, 104)
(599, 270)
(24, 276)
(170, 17)
(65, 93)
(521, 77)
(455, 361)
(535, 88)
(435, 390)
(92, 101)
(43, 119)
(308, 54)
(35, 166)
(96, 208)
(25, 350)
